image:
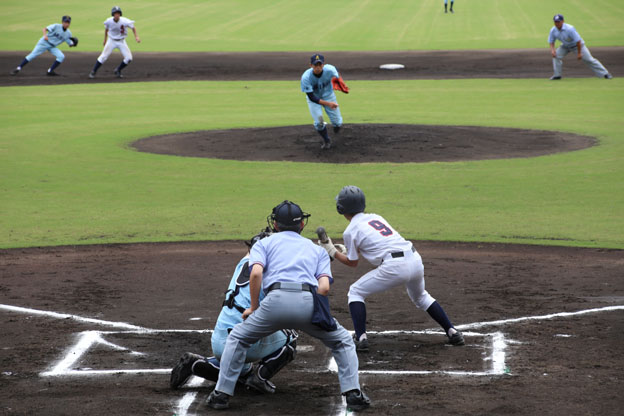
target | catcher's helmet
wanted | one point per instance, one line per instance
(350, 200)
(262, 234)
(116, 9)
(66, 19)
(288, 217)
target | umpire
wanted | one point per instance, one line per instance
(289, 269)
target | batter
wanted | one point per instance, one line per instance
(396, 259)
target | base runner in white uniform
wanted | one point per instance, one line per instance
(115, 38)
(397, 261)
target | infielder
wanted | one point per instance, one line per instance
(53, 36)
(571, 41)
(317, 83)
(271, 353)
(115, 33)
(396, 259)
(446, 5)
(289, 268)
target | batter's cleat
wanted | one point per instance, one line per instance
(91, 74)
(357, 400)
(608, 76)
(457, 339)
(555, 78)
(183, 371)
(337, 129)
(361, 345)
(15, 71)
(326, 144)
(118, 74)
(52, 74)
(255, 382)
(218, 400)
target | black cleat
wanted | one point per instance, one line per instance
(15, 71)
(326, 144)
(118, 74)
(52, 74)
(361, 345)
(608, 76)
(92, 74)
(357, 400)
(218, 400)
(255, 382)
(183, 371)
(555, 78)
(457, 339)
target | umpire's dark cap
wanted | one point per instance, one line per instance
(288, 214)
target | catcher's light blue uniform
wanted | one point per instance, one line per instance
(56, 36)
(229, 317)
(323, 89)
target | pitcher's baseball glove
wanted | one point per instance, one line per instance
(339, 84)
(74, 41)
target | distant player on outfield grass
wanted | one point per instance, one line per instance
(446, 6)
(571, 41)
(115, 38)
(53, 36)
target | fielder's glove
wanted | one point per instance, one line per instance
(74, 41)
(339, 84)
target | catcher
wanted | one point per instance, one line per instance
(319, 83)
(270, 353)
(53, 36)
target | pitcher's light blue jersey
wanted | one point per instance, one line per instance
(568, 35)
(320, 86)
(56, 35)
(232, 316)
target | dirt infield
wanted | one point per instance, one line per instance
(552, 364)
(516, 63)
(357, 143)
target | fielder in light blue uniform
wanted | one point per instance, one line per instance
(571, 41)
(446, 6)
(53, 36)
(316, 82)
(271, 353)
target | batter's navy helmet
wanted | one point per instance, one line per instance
(350, 200)
(116, 9)
(288, 216)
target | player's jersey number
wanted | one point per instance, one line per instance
(381, 227)
(122, 29)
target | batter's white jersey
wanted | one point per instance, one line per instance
(373, 237)
(118, 30)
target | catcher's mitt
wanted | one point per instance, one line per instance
(74, 41)
(339, 84)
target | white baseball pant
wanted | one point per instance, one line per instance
(111, 45)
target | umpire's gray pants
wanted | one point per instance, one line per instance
(593, 63)
(281, 309)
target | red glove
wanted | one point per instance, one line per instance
(339, 84)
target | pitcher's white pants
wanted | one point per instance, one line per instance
(111, 45)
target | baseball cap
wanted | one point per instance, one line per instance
(317, 58)
(558, 18)
(66, 19)
(288, 213)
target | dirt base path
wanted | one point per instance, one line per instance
(553, 364)
(517, 63)
(357, 143)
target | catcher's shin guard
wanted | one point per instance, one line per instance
(208, 368)
(274, 362)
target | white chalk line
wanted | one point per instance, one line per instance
(187, 400)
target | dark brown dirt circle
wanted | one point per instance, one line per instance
(365, 143)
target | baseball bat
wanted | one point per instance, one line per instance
(322, 235)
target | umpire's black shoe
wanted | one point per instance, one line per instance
(457, 339)
(15, 71)
(218, 400)
(184, 370)
(357, 400)
(257, 383)
(555, 78)
(52, 74)
(361, 345)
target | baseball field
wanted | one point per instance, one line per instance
(124, 203)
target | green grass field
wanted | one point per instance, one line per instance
(68, 176)
(297, 25)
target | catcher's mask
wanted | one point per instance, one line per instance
(262, 234)
(289, 217)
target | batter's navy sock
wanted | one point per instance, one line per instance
(358, 316)
(54, 65)
(97, 66)
(121, 66)
(438, 314)
(23, 64)
(324, 134)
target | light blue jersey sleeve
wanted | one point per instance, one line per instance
(551, 36)
(56, 34)
(306, 85)
(323, 266)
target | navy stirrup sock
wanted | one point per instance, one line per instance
(54, 65)
(24, 62)
(97, 66)
(325, 137)
(121, 66)
(438, 314)
(358, 316)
